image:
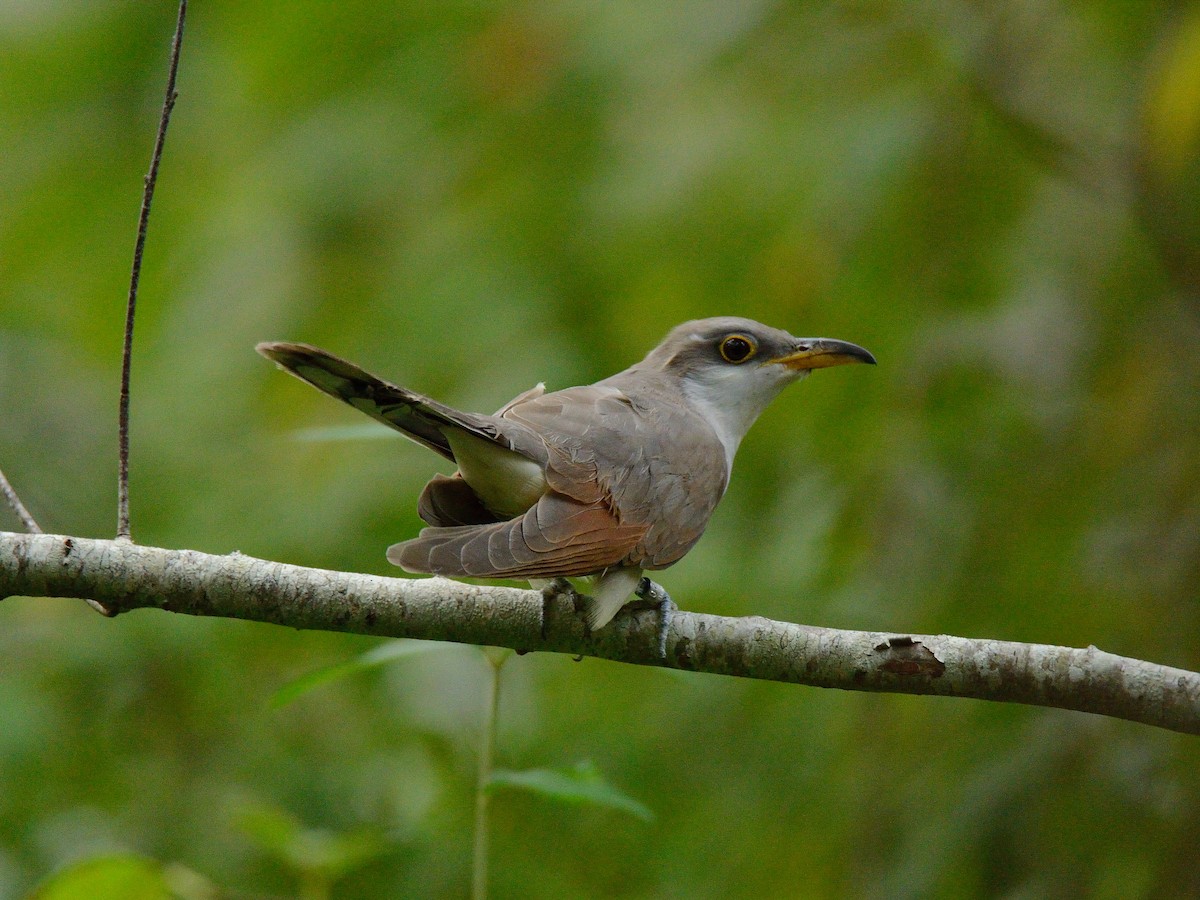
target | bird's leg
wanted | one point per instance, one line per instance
(551, 591)
(653, 596)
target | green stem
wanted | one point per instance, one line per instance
(496, 657)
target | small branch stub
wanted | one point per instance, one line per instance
(18, 507)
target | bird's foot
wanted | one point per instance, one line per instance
(652, 596)
(558, 587)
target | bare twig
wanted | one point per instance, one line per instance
(135, 276)
(18, 507)
(125, 576)
(496, 658)
(33, 528)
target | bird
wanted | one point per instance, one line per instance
(600, 482)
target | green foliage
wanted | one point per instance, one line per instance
(1001, 201)
(581, 783)
(129, 877)
(124, 877)
(317, 857)
(378, 656)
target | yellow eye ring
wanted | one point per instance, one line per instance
(736, 348)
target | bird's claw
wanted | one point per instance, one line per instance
(653, 596)
(557, 588)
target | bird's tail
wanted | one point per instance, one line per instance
(416, 416)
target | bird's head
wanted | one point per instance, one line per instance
(730, 368)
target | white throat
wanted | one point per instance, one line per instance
(731, 399)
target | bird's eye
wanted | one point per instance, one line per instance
(736, 349)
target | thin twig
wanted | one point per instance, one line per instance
(143, 223)
(496, 658)
(18, 507)
(33, 528)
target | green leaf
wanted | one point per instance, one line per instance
(343, 853)
(271, 828)
(581, 784)
(128, 877)
(311, 850)
(376, 656)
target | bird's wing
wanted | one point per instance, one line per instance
(416, 416)
(646, 456)
(577, 527)
(629, 484)
(557, 536)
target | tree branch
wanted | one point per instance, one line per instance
(14, 502)
(123, 576)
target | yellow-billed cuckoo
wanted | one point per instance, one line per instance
(603, 481)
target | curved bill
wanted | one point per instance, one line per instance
(820, 353)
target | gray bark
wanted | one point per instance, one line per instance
(122, 576)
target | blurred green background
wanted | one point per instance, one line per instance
(1001, 200)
